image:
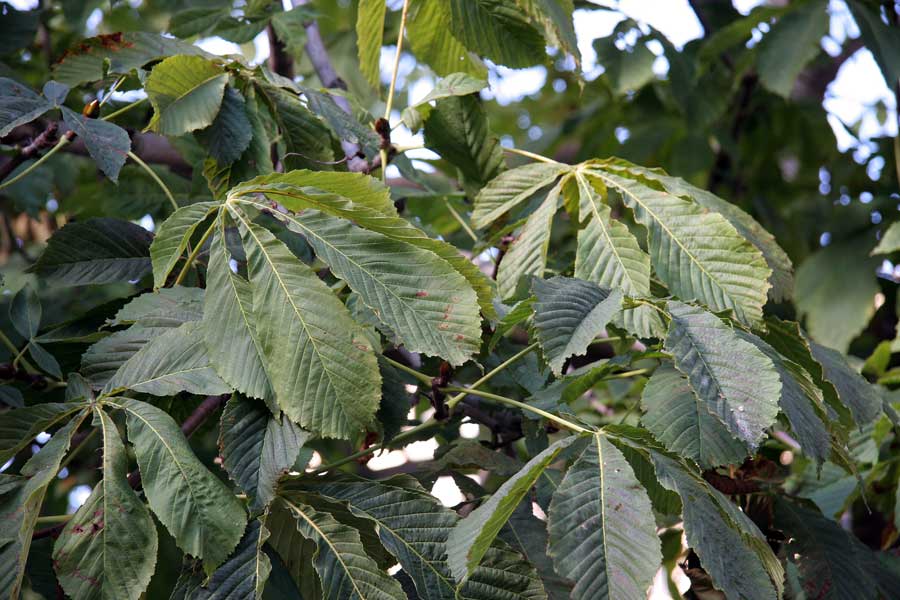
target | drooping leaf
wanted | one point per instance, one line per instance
(107, 143)
(96, 251)
(454, 84)
(835, 293)
(306, 139)
(471, 537)
(609, 255)
(344, 125)
(457, 129)
(369, 31)
(345, 570)
(19, 104)
(25, 312)
(108, 548)
(890, 240)
(44, 360)
(229, 329)
(853, 390)
(18, 427)
(527, 534)
(790, 44)
(414, 526)
(433, 42)
(230, 133)
(498, 30)
(257, 447)
(173, 237)
(527, 256)
(117, 53)
(417, 294)
(511, 188)
(602, 529)
(682, 422)
(186, 93)
(556, 19)
(199, 511)
(166, 307)
(320, 364)
(698, 254)
(173, 362)
(569, 314)
(731, 548)
(735, 380)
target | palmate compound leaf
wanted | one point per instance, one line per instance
(736, 381)
(730, 546)
(569, 314)
(173, 362)
(471, 537)
(417, 294)
(229, 328)
(511, 188)
(200, 512)
(346, 571)
(602, 529)
(320, 364)
(782, 279)
(108, 549)
(698, 254)
(186, 93)
(258, 448)
(366, 202)
(413, 525)
(679, 419)
(172, 238)
(609, 255)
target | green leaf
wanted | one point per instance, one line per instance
(230, 133)
(418, 295)
(433, 42)
(344, 568)
(731, 548)
(471, 537)
(735, 380)
(199, 511)
(18, 427)
(830, 561)
(117, 53)
(19, 104)
(835, 293)
(698, 254)
(25, 312)
(413, 525)
(104, 358)
(306, 140)
(555, 16)
(880, 39)
(457, 129)
(166, 307)
(792, 42)
(801, 401)
(257, 448)
(890, 240)
(320, 364)
(170, 363)
(527, 256)
(609, 255)
(44, 360)
(527, 534)
(96, 251)
(454, 84)
(108, 548)
(569, 314)
(173, 237)
(186, 93)
(344, 125)
(601, 526)
(853, 390)
(511, 188)
(682, 422)
(369, 31)
(107, 143)
(21, 505)
(498, 30)
(367, 203)
(782, 279)
(229, 329)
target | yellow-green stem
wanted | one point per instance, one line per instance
(488, 376)
(390, 99)
(530, 155)
(155, 178)
(193, 255)
(521, 405)
(462, 222)
(426, 379)
(402, 437)
(15, 352)
(59, 146)
(123, 110)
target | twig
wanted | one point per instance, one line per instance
(44, 140)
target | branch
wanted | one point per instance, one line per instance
(206, 408)
(321, 62)
(44, 140)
